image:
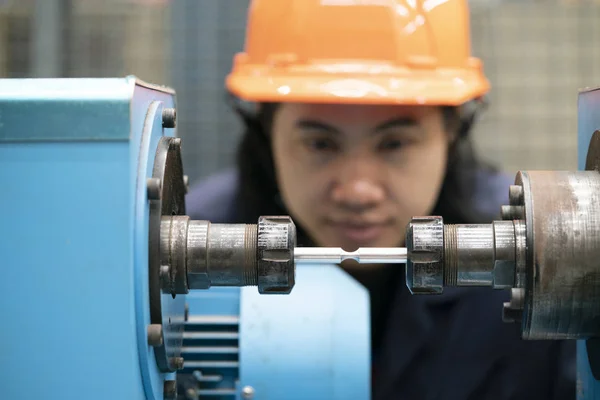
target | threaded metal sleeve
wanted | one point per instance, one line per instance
(250, 255)
(450, 255)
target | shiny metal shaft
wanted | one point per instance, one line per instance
(364, 255)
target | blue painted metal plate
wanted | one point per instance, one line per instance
(311, 344)
(588, 121)
(147, 130)
(211, 343)
(75, 240)
(98, 109)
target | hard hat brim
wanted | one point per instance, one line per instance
(451, 89)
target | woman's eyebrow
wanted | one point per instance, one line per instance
(402, 122)
(309, 124)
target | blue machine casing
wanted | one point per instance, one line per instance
(74, 301)
(311, 344)
(588, 122)
(74, 296)
(74, 289)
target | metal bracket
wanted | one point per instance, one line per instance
(168, 169)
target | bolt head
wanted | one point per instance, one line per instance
(186, 183)
(170, 390)
(511, 315)
(515, 195)
(511, 213)
(154, 188)
(165, 277)
(191, 394)
(248, 392)
(169, 118)
(178, 363)
(155, 335)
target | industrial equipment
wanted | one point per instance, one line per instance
(545, 250)
(98, 255)
(99, 260)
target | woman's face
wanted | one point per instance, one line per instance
(354, 175)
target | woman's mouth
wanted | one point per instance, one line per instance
(360, 233)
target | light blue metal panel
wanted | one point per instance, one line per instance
(311, 344)
(73, 239)
(146, 131)
(588, 388)
(218, 301)
(211, 343)
(83, 109)
(66, 248)
(588, 121)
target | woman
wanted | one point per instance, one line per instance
(357, 117)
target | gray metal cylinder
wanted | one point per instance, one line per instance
(460, 255)
(505, 242)
(546, 250)
(198, 254)
(480, 255)
(173, 249)
(231, 254)
(469, 255)
(562, 298)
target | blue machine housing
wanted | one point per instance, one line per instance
(73, 163)
(74, 297)
(588, 122)
(311, 344)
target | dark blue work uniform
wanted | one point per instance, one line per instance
(452, 347)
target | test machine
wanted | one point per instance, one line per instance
(109, 291)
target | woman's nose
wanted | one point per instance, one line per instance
(358, 193)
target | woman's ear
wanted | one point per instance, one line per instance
(452, 124)
(468, 114)
(247, 109)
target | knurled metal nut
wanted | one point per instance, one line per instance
(425, 247)
(276, 239)
(426, 240)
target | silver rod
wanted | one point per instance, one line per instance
(364, 255)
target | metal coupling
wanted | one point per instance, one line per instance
(276, 265)
(459, 255)
(425, 253)
(480, 255)
(198, 254)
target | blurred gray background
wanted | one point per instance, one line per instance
(537, 54)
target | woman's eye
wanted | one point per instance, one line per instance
(390, 145)
(321, 144)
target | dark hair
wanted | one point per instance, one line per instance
(259, 192)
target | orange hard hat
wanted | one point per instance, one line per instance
(358, 51)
